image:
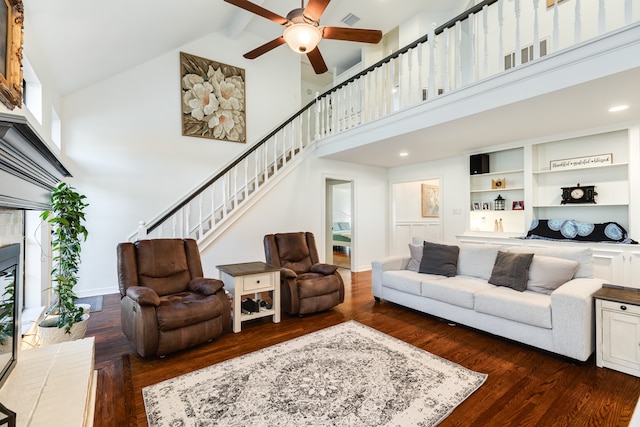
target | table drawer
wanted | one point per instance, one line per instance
(258, 281)
(618, 306)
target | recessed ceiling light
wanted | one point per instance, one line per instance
(404, 154)
(618, 108)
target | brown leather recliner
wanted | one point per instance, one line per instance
(166, 304)
(307, 286)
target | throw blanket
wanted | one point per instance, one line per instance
(561, 229)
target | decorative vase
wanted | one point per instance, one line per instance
(49, 333)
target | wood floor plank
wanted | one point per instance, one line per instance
(525, 386)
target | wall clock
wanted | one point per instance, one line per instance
(578, 194)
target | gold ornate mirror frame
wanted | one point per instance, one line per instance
(11, 26)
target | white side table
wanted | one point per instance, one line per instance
(250, 278)
(618, 329)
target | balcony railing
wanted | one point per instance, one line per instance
(486, 40)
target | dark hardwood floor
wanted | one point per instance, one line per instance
(525, 387)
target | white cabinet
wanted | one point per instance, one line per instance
(251, 279)
(618, 330)
(619, 265)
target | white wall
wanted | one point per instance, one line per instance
(454, 186)
(50, 97)
(342, 202)
(297, 203)
(124, 147)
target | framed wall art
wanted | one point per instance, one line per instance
(430, 201)
(11, 26)
(213, 99)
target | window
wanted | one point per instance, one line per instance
(526, 55)
(56, 128)
(32, 90)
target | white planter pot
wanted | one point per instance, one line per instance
(49, 333)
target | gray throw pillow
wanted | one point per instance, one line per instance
(416, 257)
(511, 270)
(439, 259)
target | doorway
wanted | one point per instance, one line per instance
(339, 222)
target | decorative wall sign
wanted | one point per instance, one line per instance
(581, 162)
(430, 201)
(498, 184)
(11, 24)
(213, 99)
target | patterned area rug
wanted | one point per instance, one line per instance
(345, 375)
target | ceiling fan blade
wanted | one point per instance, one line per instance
(352, 34)
(317, 62)
(264, 48)
(258, 10)
(315, 8)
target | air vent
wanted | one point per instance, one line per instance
(350, 19)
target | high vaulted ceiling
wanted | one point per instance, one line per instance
(85, 41)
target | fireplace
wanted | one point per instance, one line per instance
(29, 170)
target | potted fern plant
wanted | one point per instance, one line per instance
(67, 219)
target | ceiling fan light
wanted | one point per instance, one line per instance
(302, 37)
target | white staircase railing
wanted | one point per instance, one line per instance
(488, 39)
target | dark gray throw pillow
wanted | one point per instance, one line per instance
(511, 270)
(439, 259)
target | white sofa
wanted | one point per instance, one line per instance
(560, 321)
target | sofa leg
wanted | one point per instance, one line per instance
(377, 299)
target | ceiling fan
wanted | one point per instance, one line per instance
(303, 31)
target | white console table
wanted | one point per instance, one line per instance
(53, 386)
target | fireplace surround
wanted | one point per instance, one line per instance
(29, 171)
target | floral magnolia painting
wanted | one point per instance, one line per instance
(213, 99)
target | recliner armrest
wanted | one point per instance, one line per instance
(143, 296)
(325, 269)
(287, 273)
(205, 286)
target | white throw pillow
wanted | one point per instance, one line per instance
(477, 260)
(416, 257)
(546, 274)
(582, 255)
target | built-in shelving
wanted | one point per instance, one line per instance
(611, 181)
(507, 165)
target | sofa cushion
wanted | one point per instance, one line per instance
(416, 256)
(477, 260)
(511, 270)
(527, 307)
(458, 290)
(406, 281)
(546, 274)
(439, 259)
(582, 255)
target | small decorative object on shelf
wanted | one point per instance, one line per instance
(498, 184)
(486, 206)
(498, 203)
(517, 205)
(578, 194)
